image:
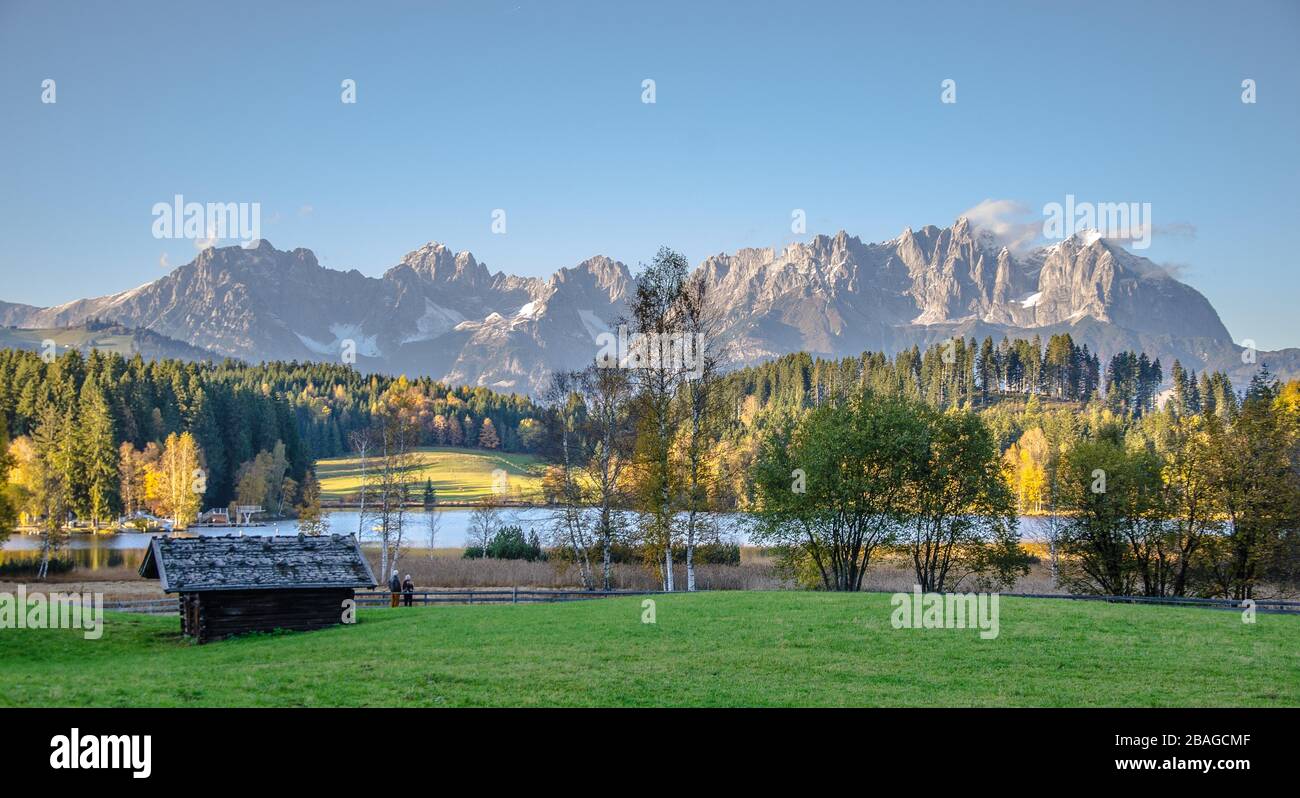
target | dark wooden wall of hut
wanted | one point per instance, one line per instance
(213, 614)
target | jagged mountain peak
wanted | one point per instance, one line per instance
(437, 263)
(442, 313)
(599, 273)
(1094, 243)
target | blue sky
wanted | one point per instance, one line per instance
(535, 108)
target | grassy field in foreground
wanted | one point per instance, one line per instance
(459, 475)
(729, 649)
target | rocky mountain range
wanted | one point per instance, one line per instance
(444, 314)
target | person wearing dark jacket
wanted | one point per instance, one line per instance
(408, 591)
(395, 587)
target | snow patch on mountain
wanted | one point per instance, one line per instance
(316, 347)
(435, 321)
(365, 344)
(593, 323)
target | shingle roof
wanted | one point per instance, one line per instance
(255, 563)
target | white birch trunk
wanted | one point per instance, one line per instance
(690, 552)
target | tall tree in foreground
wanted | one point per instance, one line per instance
(961, 521)
(1112, 539)
(699, 395)
(396, 435)
(657, 323)
(1259, 487)
(1190, 497)
(608, 400)
(561, 486)
(831, 487)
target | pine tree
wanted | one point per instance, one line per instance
(987, 369)
(1180, 400)
(97, 452)
(49, 482)
(1193, 394)
(1206, 391)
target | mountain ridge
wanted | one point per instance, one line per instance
(444, 314)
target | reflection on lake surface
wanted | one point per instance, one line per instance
(126, 549)
(87, 552)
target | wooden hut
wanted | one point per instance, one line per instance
(217, 516)
(229, 585)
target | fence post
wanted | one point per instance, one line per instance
(514, 594)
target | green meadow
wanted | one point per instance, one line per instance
(705, 649)
(458, 475)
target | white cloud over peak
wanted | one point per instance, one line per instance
(1013, 223)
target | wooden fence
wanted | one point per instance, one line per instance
(167, 606)
(376, 598)
(1277, 606)
(508, 595)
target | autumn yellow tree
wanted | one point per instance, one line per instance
(24, 479)
(1027, 466)
(8, 501)
(181, 480)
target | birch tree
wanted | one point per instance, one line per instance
(484, 521)
(561, 487)
(698, 378)
(181, 479)
(395, 436)
(432, 525)
(608, 395)
(657, 322)
(361, 440)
